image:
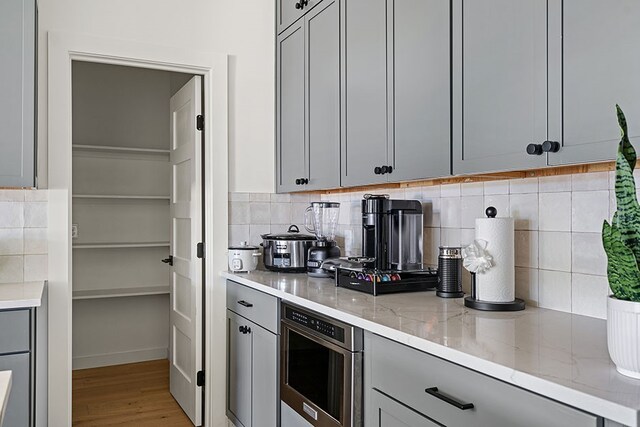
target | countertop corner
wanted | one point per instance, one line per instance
(21, 295)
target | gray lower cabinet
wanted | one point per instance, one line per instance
(499, 84)
(18, 29)
(253, 399)
(397, 90)
(447, 394)
(308, 101)
(594, 65)
(17, 354)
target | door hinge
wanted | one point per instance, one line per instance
(200, 250)
(200, 378)
(199, 122)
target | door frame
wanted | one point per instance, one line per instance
(63, 48)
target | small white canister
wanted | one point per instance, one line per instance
(243, 257)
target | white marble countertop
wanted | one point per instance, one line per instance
(558, 355)
(5, 388)
(21, 295)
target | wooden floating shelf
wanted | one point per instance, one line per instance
(121, 292)
(126, 150)
(120, 245)
(114, 196)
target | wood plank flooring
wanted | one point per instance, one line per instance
(135, 394)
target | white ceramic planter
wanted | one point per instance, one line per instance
(623, 335)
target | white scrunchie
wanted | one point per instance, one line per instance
(476, 258)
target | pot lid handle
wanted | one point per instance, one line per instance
(293, 229)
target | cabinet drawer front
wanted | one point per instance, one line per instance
(18, 410)
(256, 306)
(287, 13)
(14, 331)
(405, 374)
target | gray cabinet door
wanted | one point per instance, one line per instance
(239, 365)
(289, 11)
(17, 86)
(386, 412)
(290, 105)
(421, 89)
(265, 395)
(500, 84)
(322, 29)
(18, 413)
(365, 125)
(594, 65)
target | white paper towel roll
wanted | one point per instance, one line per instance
(498, 283)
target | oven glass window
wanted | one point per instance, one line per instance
(316, 372)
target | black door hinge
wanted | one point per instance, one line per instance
(200, 250)
(200, 378)
(200, 122)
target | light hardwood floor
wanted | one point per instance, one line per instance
(135, 394)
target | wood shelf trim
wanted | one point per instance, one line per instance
(116, 196)
(120, 245)
(121, 292)
(129, 150)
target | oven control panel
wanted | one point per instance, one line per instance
(315, 324)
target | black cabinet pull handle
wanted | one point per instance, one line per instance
(390, 169)
(534, 149)
(298, 181)
(551, 146)
(244, 329)
(305, 181)
(433, 391)
(245, 304)
(298, 5)
(168, 260)
(377, 170)
(384, 170)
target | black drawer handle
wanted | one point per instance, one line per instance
(245, 304)
(433, 391)
(245, 329)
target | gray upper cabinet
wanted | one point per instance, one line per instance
(594, 65)
(421, 89)
(308, 104)
(397, 90)
(500, 84)
(365, 117)
(17, 85)
(289, 11)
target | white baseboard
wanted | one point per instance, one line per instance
(110, 359)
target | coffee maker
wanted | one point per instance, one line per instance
(324, 220)
(392, 233)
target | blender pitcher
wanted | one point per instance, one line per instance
(321, 219)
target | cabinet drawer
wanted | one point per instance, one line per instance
(14, 331)
(256, 306)
(404, 374)
(287, 13)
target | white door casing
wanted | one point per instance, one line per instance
(185, 343)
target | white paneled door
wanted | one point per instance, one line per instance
(186, 232)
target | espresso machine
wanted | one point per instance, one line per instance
(392, 249)
(323, 223)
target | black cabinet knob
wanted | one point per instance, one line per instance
(534, 149)
(551, 146)
(298, 181)
(244, 329)
(298, 6)
(377, 170)
(384, 170)
(390, 169)
(304, 181)
(304, 3)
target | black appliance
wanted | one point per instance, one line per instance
(321, 368)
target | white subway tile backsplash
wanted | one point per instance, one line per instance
(35, 214)
(551, 184)
(35, 268)
(472, 189)
(471, 207)
(588, 254)
(450, 190)
(260, 197)
(524, 210)
(450, 237)
(238, 233)
(526, 248)
(11, 241)
(299, 198)
(11, 269)
(554, 251)
(430, 192)
(555, 211)
(239, 213)
(11, 215)
(260, 213)
(239, 197)
(496, 187)
(36, 195)
(451, 215)
(35, 241)
(500, 202)
(432, 210)
(527, 285)
(281, 213)
(588, 210)
(256, 232)
(467, 236)
(11, 195)
(280, 198)
(524, 185)
(555, 290)
(413, 193)
(590, 181)
(589, 295)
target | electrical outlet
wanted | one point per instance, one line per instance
(74, 231)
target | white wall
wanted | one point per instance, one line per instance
(243, 29)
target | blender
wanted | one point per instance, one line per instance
(324, 216)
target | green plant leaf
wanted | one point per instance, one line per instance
(625, 145)
(622, 267)
(627, 216)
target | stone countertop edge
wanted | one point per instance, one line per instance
(21, 295)
(620, 412)
(5, 388)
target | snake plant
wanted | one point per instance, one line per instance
(621, 238)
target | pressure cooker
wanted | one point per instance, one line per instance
(287, 252)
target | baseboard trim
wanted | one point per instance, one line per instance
(120, 358)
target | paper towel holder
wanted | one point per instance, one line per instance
(473, 301)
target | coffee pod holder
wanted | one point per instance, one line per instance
(478, 259)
